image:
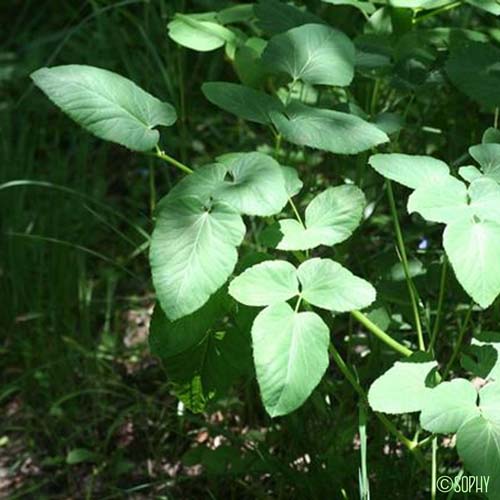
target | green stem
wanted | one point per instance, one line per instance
(434, 469)
(296, 212)
(442, 288)
(404, 261)
(495, 120)
(176, 163)
(383, 336)
(435, 12)
(339, 361)
(458, 345)
(152, 188)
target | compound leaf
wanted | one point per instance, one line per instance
(290, 354)
(330, 218)
(106, 104)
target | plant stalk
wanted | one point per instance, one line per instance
(383, 336)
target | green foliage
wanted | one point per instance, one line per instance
(229, 238)
(106, 104)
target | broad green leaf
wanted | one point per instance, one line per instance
(401, 389)
(328, 130)
(330, 218)
(244, 102)
(199, 32)
(256, 184)
(169, 338)
(251, 183)
(265, 284)
(473, 249)
(448, 406)
(366, 7)
(478, 440)
(445, 200)
(205, 371)
(484, 197)
(327, 284)
(293, 184)
(494, 373)
(106, 104)
(491, 136)
(193, 252)
(248, 63)
(410, 170)
(201, 184)
(475, 69)
(415, 4)
(469, 173)
(488, 156)
(236, 14)
(313, 53)
(491, 6)
(276, 17)
(290, 352)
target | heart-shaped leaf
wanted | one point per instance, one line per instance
(313, 53)
(193, 252)
(290, 352)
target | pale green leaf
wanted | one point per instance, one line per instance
(488, 156)
(264, 284)
(193, 252)
(313, 53)
(330, 218)
(491, 136)
(410, 170)
(199, 32)
(401, 389)
(469, 173)
(478, 440)
(293, 184)
(484, 194)
(256, 184)
(106, 104)
(244, 102)
(327, 284)
(445, 200)
(328, 130)
(473, 249)
(448, 406)
(290, 354)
